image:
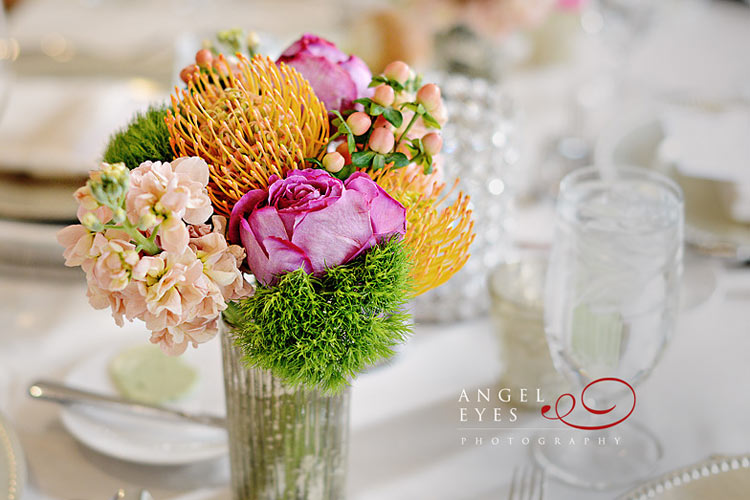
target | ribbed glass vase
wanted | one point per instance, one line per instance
(284, 443)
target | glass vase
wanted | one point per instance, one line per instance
(285, 442)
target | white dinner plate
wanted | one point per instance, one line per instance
(708, 228)
(724, 478)
(12, 463)
(142, 439)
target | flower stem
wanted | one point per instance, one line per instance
(148, 245)
(406, 130)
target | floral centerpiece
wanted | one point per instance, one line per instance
(293, 205)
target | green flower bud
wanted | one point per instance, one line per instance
(147, 222)
(91, 222)
(110, 184)
(118, 216)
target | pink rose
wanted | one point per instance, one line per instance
(312, 221)
(337, 79)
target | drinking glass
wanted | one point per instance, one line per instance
(611, 302)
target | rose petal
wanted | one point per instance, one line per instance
(315, 46)
(330, 237)
(265, 223)
(331, 83)
(244, 206)
(388, 215)
(360, 75)
(257, 258)
(285, 257)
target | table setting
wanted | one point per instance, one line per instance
(404, 250)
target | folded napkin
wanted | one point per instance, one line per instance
(58, 127)
(712, 144)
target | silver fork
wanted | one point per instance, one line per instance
(527, 483)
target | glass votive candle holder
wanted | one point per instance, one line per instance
(517, 309)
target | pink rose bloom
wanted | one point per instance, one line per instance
(167, 194)
(337, 79)
(312, 221)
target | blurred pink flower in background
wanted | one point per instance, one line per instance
(570, 4)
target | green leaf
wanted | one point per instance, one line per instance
(365, 101)
(394, 117)
(376, 109)
(378, 162)
(409, 105)
(377, 80)
(362, 158)
(380, 80)
(421, 109)
(314, 161)
(398, 159)
(345, 172)
(430, 121)
(416, 146)
(350, 143)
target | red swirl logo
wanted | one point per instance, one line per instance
(593, 411)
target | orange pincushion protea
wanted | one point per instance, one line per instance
(254, 121)
(438, 239)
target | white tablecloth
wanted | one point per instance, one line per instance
(405, 442)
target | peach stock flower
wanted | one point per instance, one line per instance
(180, 290)
(167, 194)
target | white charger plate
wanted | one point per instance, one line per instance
(12, 463)
(725, 478)
(142, 439)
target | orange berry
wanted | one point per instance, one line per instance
(384, 95)
(204, 58)
(397, 70)
(381, 140)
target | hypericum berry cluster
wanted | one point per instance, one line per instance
(229, 41)
(398, 125)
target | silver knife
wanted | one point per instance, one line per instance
(64, 394)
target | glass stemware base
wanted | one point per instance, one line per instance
(630, 453)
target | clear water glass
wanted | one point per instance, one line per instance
(611, 304)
